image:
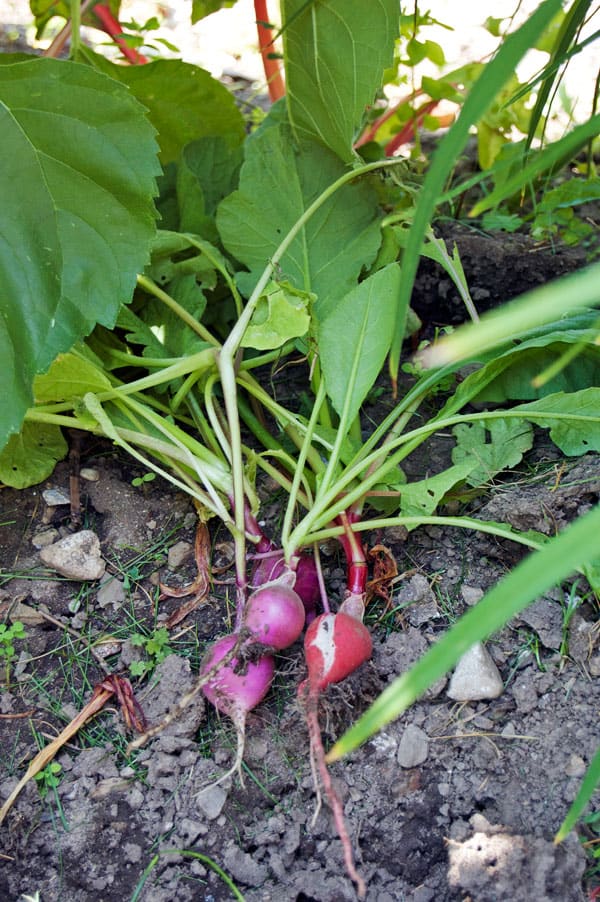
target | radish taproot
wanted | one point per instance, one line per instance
(335, 645)
(236, 688)
(274, 615)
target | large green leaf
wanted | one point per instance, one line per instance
(208, 171)
(277, 184)
(335, 54)
(76, 218)
(31, 456)
(355, 337)
(183, 101)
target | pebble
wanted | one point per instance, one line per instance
(211, 801)
(471, 594)
(413, 748)
(178, 554)
(44, 538)
(476, 676)
(111, 592)
(77, 556)
(55, 497)
(90, 474)
(576, 767)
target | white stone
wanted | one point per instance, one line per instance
(76, 556)
(55, 497)
(476, 677)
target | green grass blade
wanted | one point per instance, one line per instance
(535, 575)
(590, 781)
(571, 24)
(552, 157)
(494, 76)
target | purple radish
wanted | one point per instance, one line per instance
(236, 688)
(274, 615)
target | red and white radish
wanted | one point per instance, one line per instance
(335, 646)
(274, 615)
(237, 687)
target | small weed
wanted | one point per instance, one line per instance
(142, 480)
(156, 647)
(48, 778)
(571, 601)
(8, 654)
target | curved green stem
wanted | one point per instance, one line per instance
(152, 288)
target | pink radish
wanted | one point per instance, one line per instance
(274, 615)
(236, 688)
(335, 645)
(271, 566)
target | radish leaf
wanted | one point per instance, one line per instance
(491, 446)
(355, 337)
(277, 185)
(334, 63)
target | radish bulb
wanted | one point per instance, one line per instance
(335, 646)
(274, 615)
(304, 581)
(235, 689)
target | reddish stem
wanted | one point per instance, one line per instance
(113, 28)
(407, 134)
(271, 64)
(355, 555)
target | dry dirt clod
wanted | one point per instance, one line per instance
(414, 747)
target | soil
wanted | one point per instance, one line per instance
(450, 802)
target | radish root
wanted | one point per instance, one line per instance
(319, 768)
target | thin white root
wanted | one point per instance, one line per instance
(236, 767)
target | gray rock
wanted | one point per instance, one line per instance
(476, 676)
(76, 556)
(55, 497)
(545, 617)
(244, 867)
(211, 801)
(110, 593)
(90, 474)
(471, 594)
(414, 747)
(44, 538)
(179, 554)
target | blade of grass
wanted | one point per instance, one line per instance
(535, 575)
(494, 76)
(542, 305)
(590, 781)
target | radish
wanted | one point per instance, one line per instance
(236, 688)
(271, 566)
(335, 645)
(274, 615)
